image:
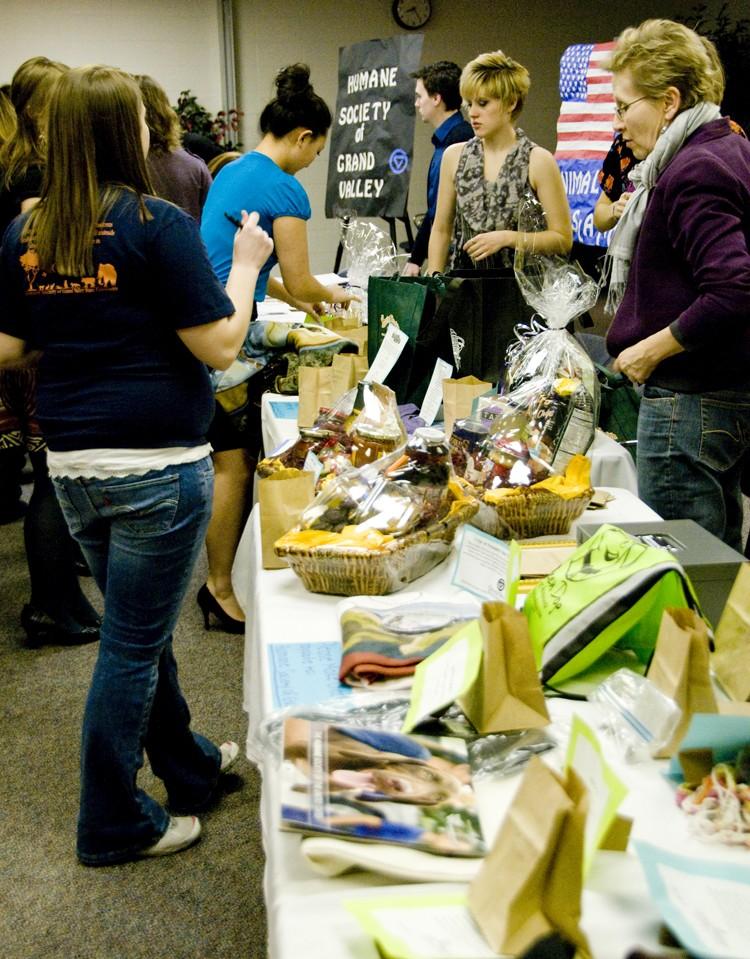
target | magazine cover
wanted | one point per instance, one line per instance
(379, 786)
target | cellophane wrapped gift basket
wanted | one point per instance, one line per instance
(374, 529)
(521, 453)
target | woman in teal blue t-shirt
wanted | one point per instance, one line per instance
(294, 126)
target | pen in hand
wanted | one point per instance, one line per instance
(233, 220)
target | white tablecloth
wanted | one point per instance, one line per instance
(291, 655)
(611, 464)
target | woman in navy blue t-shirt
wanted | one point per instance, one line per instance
(114, 287)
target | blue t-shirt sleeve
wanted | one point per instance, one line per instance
(191, 293)
(291, 199)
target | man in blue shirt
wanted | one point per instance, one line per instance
(438, 102)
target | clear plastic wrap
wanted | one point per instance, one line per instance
(636, 714)
(548, 373)
(499, 754)
(363, 425)
(394, 495)
(368, 251)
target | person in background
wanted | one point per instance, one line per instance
(221, 160)
(679, 267)
(615, 183)
(176, 175)
(483, 180)
(58, 612)
(125, 401)
(438, 102)
(294, 126)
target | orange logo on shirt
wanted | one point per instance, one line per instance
(40, 282)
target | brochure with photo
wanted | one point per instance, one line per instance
(374, 785)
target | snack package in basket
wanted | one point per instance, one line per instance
(548, 373)
(374, 529)
(360, 428)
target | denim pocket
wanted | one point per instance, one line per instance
(144, 507)
(71, 515)
(722, 444)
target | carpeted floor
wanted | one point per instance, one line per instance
(204, 903)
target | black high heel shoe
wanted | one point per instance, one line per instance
(42, 630)
(210, 604)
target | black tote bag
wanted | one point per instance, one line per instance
(472, 328)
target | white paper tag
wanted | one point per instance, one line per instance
(487, 567)
(433, 398)
(391, 348)
(313, 465)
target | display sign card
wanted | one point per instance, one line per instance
(705, 903)
(606, 791)
(372, 136)
(304, 673)
(421, 925)
(444, 676)
(488, 567)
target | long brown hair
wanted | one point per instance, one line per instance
(7, 115)
(30, 90)
(161, 119)
(95, 153)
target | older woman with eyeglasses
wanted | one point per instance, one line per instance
(679, 264)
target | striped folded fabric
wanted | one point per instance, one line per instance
(385, 641)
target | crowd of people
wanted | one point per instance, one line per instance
(108, 388)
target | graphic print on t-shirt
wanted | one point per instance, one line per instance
(40, 281)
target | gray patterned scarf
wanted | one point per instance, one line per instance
(644, 175)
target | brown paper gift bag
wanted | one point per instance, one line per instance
(282, 497)
(314, 392)
(458, 397)
(731, 661)
(347, 369)
(680, 669)
(358, 335)
(506, 693)
(530, 883)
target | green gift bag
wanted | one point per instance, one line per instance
(611, 591)
(408, 302)
(618, 412)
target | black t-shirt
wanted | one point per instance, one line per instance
(113, 371)
(28, 186)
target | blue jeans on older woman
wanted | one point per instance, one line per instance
(141, 536)
(692, 448)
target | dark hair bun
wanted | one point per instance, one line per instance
(293, 82)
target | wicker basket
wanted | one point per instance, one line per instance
(533, 512)
(328, 569)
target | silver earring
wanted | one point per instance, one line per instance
(664, 129)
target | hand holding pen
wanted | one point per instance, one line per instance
(252, 245)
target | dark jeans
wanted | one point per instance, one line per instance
(691, 449)
(141, 536)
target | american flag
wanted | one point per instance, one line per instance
(584, 130)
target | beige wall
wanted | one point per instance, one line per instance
(271, 35)
(175, 41)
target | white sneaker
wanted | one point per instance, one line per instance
(229, 753)
(182, 831)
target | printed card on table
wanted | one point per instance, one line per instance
(445, 675)
(606, 791)
(488, 567)
(421, 926)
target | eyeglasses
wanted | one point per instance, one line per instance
(624, 107)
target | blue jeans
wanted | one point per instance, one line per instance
(141, 536)
(691, 448)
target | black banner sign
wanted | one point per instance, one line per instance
(373, 128)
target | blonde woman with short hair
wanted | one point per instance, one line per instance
(483, 180)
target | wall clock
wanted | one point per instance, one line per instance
(411, 14)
